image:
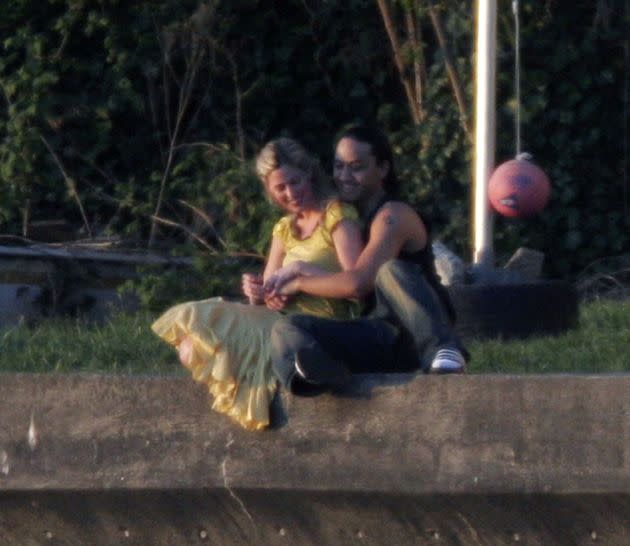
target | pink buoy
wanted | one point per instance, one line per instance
(518, 188)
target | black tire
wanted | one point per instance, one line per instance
(514, 310)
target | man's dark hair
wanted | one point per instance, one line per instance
(381, 150)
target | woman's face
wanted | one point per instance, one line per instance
(356, 172)
(290, 188)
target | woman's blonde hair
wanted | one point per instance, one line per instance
(283, 152)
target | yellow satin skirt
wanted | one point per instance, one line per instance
(230, 354)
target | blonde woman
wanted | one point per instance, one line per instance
(226, 344)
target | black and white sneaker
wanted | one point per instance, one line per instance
(448, 360)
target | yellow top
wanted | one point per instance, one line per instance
(318, 249)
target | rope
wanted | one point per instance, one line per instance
(517, 75)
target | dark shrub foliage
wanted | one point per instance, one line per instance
(117, 113)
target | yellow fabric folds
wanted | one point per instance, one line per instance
(230, 349)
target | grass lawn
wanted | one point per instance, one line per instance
(601, 344)
(126, 345)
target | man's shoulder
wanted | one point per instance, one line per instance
(396, 221)
(395, 209)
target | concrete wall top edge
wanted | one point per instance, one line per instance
(477, 434)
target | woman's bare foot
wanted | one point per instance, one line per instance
(185, 350)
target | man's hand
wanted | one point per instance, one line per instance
(252, 286)
(289, 288)
(274, 284)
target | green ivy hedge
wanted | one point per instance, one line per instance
(116, 112)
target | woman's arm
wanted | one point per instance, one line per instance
(346, 238)
(274, 258)
(252, 284)
(348, 244)
(275, 302)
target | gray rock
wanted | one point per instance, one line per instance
(450, 267)
(527, 262)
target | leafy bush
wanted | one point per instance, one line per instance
(117, 113)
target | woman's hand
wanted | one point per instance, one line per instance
(252, 286)
(276, 303)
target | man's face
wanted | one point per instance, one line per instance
(356, 172)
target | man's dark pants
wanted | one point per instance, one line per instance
(404, 331)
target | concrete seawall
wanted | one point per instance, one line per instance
(397, 459)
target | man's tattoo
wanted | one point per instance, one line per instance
(389, 220)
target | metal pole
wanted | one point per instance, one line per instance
(484, 129)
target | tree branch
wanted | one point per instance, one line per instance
(70, 183)
(413, 33)
(184, 97)
(399, 60)
(456, 85)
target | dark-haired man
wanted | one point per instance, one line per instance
(407, 319)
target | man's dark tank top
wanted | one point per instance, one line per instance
(424, 258)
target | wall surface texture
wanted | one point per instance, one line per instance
(396, 459)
